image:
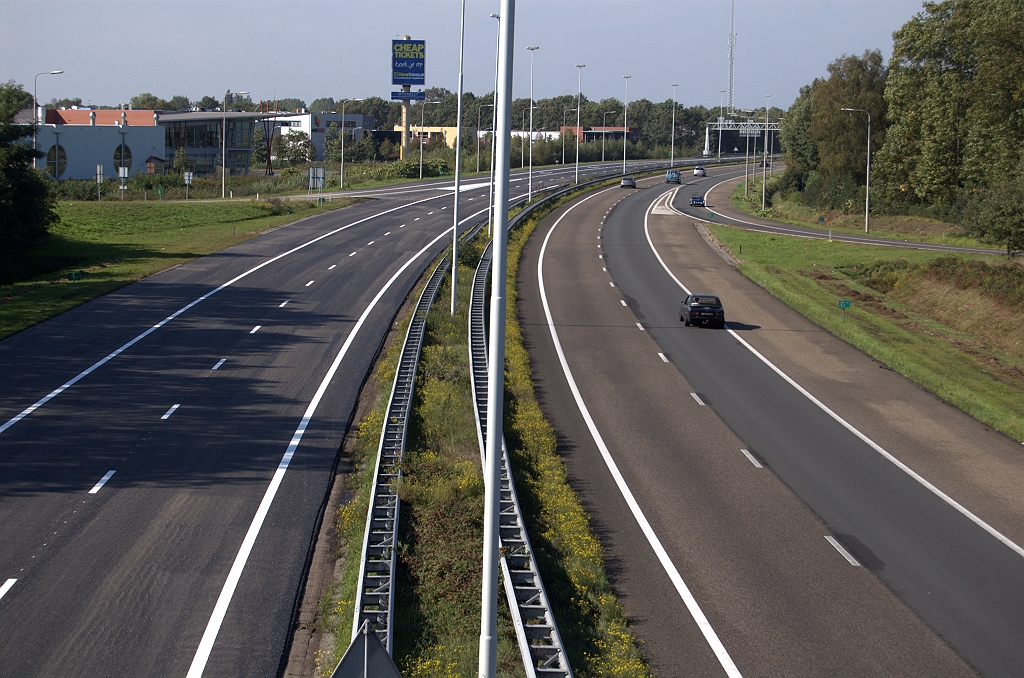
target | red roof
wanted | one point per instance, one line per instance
(136, 118)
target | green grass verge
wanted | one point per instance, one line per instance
(912, 229)
(438, 587)
(894, 327)
(109, 245)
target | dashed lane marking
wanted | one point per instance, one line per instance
(169, 412)
(255, 329)
(219, 363)
(104, 479)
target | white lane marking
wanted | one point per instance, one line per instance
(284, 303)
(416, 219)
(255, 329)
(331, 267)
(752, 458)
(104, 479)
(699, 401)
(663, 358)
(353, 254)
(640, 326)
(603, 268)
(611, 283)
(652, 538)
(845, 424)
(388, 233)
(839, 547)
(235, 574)
(169, 412)
(600, 256)
(219, 363)
(402, 226)
(622, 301)
(113, 354)
(310, 283)
(6, 587)
(429, 213)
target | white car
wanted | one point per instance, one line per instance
(699, 171)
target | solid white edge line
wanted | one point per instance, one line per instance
(6, 587)
(699, 401)
(752, 458)
(234, 575)
(103, 481)
(652, 538)
(849, 427)
(113, 354)
(663, 358)
(842, 551)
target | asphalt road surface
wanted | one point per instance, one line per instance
(747, 530)
(166, 450)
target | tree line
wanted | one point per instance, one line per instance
(947, 117)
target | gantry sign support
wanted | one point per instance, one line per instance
(746, 128)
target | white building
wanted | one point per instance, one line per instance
(315, 126)
(121, 138)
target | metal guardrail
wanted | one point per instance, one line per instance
(536, 630)
(375, 595)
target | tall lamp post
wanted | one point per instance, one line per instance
(625, 124)
(867, 190)
(579, 109)
(564, 113)
(35, 108)
(224, 144)
(494, 123)
(458, 166)
(764, 165)
(529, 191)
(721, 119)
(604, 132)
(672, 156)
(341, 183)
(522, 145)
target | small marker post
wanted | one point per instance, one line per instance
(844, 304)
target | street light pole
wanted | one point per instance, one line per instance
(423, 109)
(562, 134)
(343, 102)
(672, 156)
(764, 165)
(529, 191)
(494, 122)
(35, 109)
(625, 123)
(458, 167)
(478, 109)
(867, 189)
(579, 108)
(488, 657)
(604, 131)
(721, 104)
(224, 144)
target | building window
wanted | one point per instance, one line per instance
(56, 161)
(121, 148)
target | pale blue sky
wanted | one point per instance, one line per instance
(112, 50)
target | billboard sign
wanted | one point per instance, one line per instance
(408, 62)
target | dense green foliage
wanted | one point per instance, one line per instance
(948, 120)
(26, 203)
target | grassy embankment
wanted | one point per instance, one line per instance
(954, 325)
(914, 229)
(438, 592)
(109, 245)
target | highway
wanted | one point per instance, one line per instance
(166, 450)
(770, 501)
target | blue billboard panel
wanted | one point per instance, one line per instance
(408, 62)
(408, 96)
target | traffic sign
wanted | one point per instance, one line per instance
(844, 303)
(408, 96)
(188, 178)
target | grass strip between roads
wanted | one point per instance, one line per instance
(441, 531)
(99, 247)
(953, 325)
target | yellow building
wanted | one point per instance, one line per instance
(431, 133)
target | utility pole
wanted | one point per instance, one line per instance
(488, 657)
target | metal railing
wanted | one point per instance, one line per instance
(375, 595)
(539, 641)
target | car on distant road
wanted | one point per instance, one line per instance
(702, 309)
(697, 201)
(699, 171)
(672, 176)
(628, 182)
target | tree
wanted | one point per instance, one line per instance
(180, 161)
(179, 102)
(27, 205)
(208, 103)
(297, 148)
(148, 101)
(291, 104)
(64, 103)
(322, 105)
(259, 145)
(996, 215)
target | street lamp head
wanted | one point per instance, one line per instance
(495, 16)
(56, 72)
(533, 48)
(581, 65)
